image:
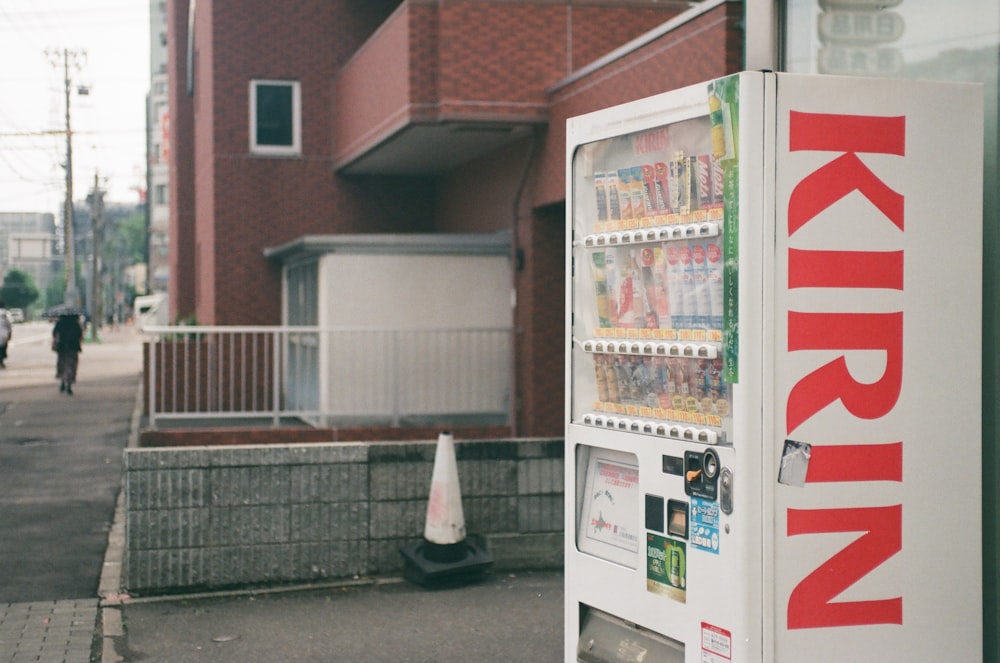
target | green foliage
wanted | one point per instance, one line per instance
(128, 236)
(18, 289)
(55, 293)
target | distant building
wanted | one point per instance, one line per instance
(29, 243)
(158, 142)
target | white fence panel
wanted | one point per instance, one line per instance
(323, 376)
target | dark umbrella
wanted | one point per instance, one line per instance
(63, 309)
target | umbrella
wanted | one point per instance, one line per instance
(63, 309)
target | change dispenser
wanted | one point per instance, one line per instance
(773, 373)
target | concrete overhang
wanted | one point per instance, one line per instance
(312, 246)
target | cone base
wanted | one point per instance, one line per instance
(434, 565)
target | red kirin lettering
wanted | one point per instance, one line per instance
(812, 603)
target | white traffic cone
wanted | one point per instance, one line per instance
(445, 522)
(445, 554)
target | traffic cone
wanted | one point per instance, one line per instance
(445, 524)
(446, 554)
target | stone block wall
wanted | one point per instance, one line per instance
(217, 517)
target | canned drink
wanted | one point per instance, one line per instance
(675, 285)
(713, 271)
(675, 566)
(601, 289)
(601, 193)
(602, 379)
(614, 206)
(661, 296)
(699, 262)
(638, 189)
(661, 175)
(611, 379)
(625, 193)
(652, 201)
(702, 181)
(690, 294)
(611, 285)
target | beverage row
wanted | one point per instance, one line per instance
(672, 285)
(684, 184)
(665, 387)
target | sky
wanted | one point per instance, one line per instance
(108, 124)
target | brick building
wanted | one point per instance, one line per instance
(350, 117)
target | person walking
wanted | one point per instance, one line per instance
(6, 330)
(66, 337)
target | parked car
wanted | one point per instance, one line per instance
(16, 314)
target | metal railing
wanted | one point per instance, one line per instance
(324, 376)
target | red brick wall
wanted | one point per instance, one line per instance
(181, 110)
(540, 323)
(246, 202)
(496, 58)
(204, 163)
(479, 196)
(599, 29)
(499, 57)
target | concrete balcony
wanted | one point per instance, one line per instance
(440, 84)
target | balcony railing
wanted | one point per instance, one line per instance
(328, 376)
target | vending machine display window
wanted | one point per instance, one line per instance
(609, 505)
(649, 283)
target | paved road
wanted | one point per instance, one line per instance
(60, 462)
(516, 617)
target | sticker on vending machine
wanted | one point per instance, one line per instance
(666, 567)
(716, 644)
(705, 525)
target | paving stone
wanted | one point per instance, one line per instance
(47, 631)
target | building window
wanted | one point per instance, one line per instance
(275, 118)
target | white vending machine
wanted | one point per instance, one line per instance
(773, 374)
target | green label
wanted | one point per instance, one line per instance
(731, 273)
(724, 109)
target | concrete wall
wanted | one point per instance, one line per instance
(216, 517)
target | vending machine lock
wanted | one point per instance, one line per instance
(726, 496)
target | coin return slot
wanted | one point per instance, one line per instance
(677, 518)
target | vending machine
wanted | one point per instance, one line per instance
(773, 436)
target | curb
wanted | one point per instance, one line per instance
(110, 631)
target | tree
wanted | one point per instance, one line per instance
(130, 236)
(18, 289)
(55, 294)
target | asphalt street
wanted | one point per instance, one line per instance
(60, 462)
(503, 618)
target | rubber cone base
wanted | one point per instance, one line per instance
(432, 564)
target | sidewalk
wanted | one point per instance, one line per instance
(60, 472)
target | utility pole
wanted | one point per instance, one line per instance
(97, 229)
(77, 57)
